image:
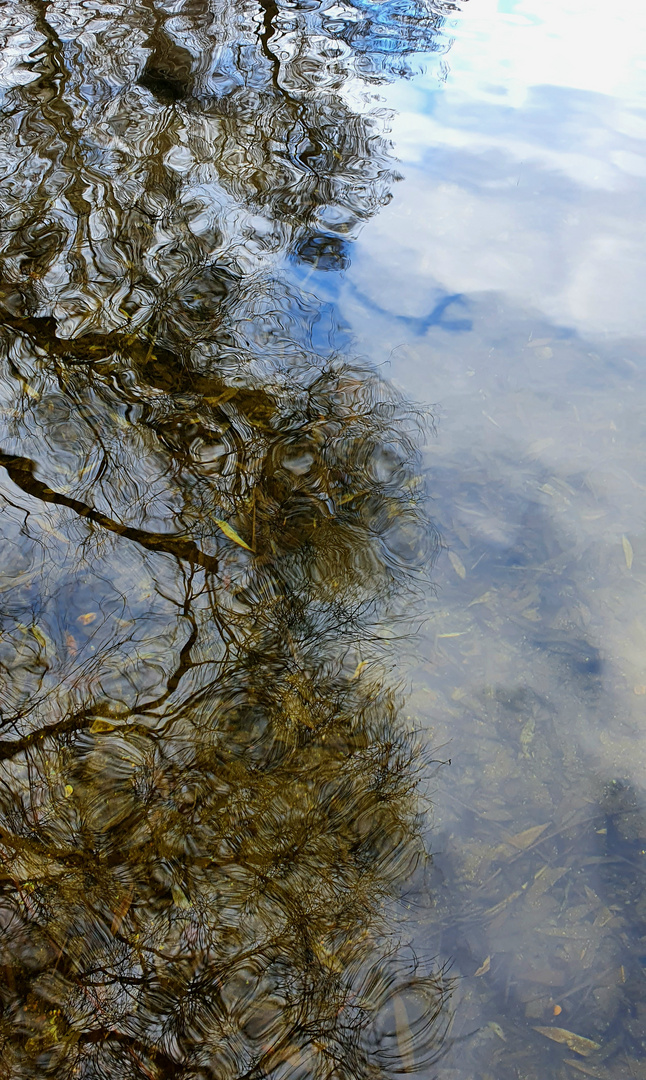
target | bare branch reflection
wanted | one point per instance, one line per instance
(208, 803)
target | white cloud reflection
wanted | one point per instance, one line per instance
(525, 173)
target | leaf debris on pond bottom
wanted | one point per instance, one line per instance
(578, 1043)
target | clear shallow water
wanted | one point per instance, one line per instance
(215, 536)
(504, 283)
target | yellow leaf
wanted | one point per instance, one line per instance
(231, 533)
(628, 551)
(352, 495)
(219, 399)
(180, 899)
(523, 839)
(88, 618)
(325, 957)
(484, 967)
(101, 725)
(577, 1043)
(69, 790)
(122, 911)
(40, 637)
(359, 668)
(457, 564)
(497, 1030)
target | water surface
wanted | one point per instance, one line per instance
(504, 283)
(211, 516)
(232, 651)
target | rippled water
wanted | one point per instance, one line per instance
(250, 597)
(211, 516)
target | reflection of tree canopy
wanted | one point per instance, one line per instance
(207, 800)
(131, 130)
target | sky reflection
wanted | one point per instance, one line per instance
(504, 283)
(524, 173)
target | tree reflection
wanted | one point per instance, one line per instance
(207, 800)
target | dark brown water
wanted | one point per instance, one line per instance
(211, 518)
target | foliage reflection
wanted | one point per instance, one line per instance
(207, 800)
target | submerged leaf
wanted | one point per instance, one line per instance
(121, 911)
(546, 877)
(457, 564)
(628, 551)
(229, 531)
(523, 839)
(326, 957)
(578, 1043)
(587, 1070)
(497, 908)
(497, 1030)
(180, 899)
(99, 726)
(40, 637)
(484, 599)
